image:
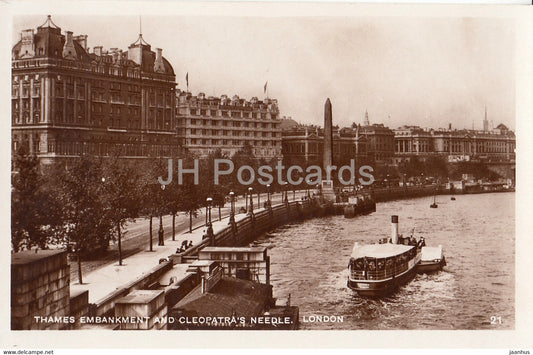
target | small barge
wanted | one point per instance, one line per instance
(432, 259)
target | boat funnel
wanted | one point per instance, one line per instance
(394, 230)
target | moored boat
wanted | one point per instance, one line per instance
(378, 269)
(434, 204)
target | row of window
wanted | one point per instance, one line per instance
(225, 142)
(319, 148)
(223, 113)
(207, 122)
(76, 148)
(215, 132)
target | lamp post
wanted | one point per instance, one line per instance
(161, 233)
(232, 208)
(286, 192)
(251, 211)
(209, 231)
(268, 195)
(208, 211)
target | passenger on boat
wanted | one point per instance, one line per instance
(422, 242)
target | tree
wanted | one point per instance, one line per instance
(414, 167)
(243, 156)
(34, 218)
(190, 197)
(120, 195)
(149, 188)
(79, 191)
(209, 189)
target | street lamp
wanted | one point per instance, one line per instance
(208, 223)
(286, 192)
(251, 211)
(268, 195)
(161, 233)
(209, 201)
(232, 208)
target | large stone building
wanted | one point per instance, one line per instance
(206, 124)
(380, 142)
(67, 100)
(305, 145)
(456, 145)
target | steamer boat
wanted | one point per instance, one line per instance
(378, 269)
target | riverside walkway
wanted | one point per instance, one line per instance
(107, 278)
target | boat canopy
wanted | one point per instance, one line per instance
(379, 251)
(431, 253)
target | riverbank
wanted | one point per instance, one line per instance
(111, 282)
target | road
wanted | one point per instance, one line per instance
(136, 236)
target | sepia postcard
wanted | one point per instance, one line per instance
(296, 175)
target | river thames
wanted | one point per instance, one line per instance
(475, 290)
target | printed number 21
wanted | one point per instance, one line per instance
(495, 320)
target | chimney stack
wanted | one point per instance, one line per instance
(159, 66)
(69, 52)
(394, 232)
(98, 50)
(82, 41)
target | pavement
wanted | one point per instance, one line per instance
(110, 277)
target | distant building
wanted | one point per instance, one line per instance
(206, 124)
(412, 141)
(380, 142)
(305, 144)
(68, 101)
(455, 145)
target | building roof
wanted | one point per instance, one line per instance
(48, 42)
(51, 41)
(233, 249)
(230, 296)
(140, 296)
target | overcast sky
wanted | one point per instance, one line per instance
(415, 71)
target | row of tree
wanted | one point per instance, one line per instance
(84, 203)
